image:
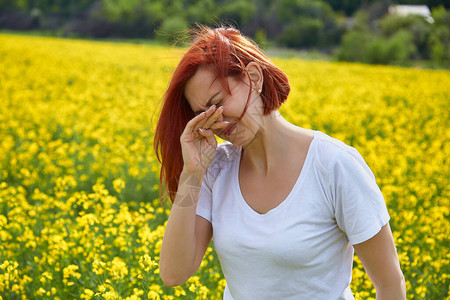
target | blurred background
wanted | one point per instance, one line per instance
(408, 32)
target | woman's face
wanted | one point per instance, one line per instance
(202, 91)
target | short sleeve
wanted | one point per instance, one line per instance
(360, 209)
(204, 206)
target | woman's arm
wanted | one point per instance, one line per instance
(379, 258)
(187, 235)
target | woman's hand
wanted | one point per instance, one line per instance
(198, 143)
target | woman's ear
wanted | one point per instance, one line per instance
(256, 75)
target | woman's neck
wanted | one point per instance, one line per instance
(272, 144)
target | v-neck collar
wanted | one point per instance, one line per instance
(295, 188)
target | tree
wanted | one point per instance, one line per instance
(416, 25)
(439, 39)
(307, 23)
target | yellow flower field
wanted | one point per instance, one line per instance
(80, 216)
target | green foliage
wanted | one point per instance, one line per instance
(305, 32)
(116, 10)
(365, 47)
(173, 31)
(372, 36)
(397, 39)
(352, 46)
(200, 11)
(306, 23)
(395, 50)
(401, 47)
(439, 45)
(439, 39)
(416, 25)
(347, 6)
(261, 38)
(361, 21)
(240, 11)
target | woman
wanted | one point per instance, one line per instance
(285, 206)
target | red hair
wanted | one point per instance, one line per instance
(230, 52)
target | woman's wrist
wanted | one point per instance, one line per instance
(196, 173)
(188, 188)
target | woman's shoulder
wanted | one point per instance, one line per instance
(225, 154)
(226, 151)
(329, 149)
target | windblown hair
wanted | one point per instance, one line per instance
(230, 52)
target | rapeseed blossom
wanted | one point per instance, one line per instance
(79, 210)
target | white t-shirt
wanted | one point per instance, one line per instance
(301, 249)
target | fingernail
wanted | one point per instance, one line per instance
(201, 130)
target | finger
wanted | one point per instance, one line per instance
(213, 118)
(207, 113)
(191, 124)
(209, 135)
(219, 125)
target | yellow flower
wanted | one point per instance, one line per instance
(192, 288)
(152, 295)
(117, 268)
(55, 163)
(119, 185)
(46, 276)
(41, 292)
(101, 288)
(98, 267)
(147, 263)
(70, 271)
(110, 295)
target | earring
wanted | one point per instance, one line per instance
(259, 91)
